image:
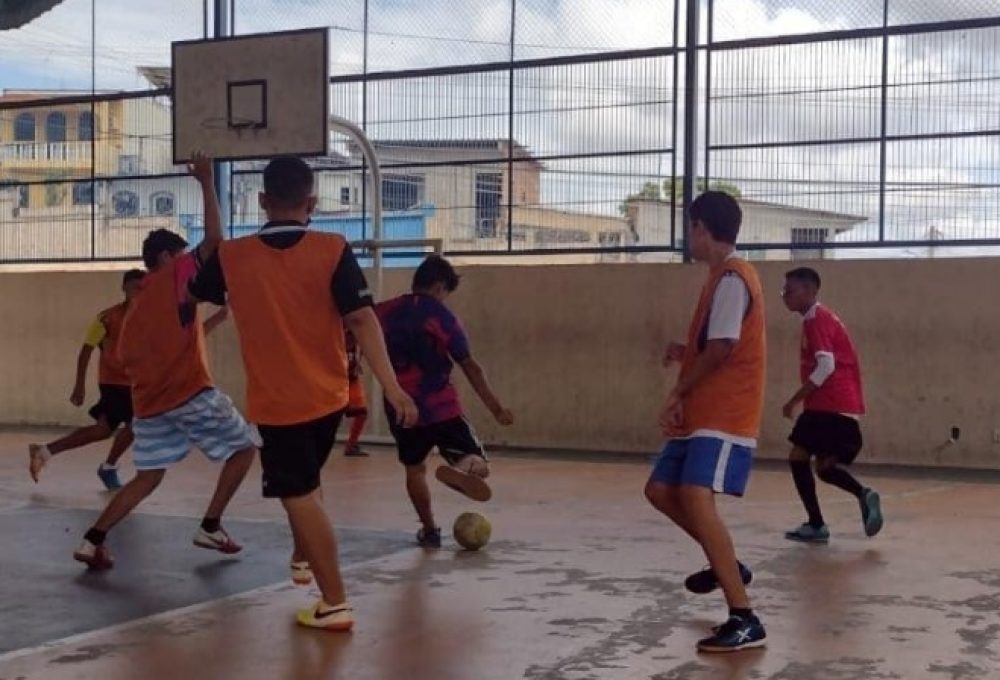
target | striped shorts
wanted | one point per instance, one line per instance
(208, 421)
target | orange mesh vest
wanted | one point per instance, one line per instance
(165, 360)
(731, 399)
(110, 369)
(291, 334)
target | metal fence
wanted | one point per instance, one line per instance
(544, 129)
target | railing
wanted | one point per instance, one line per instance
(47, 151)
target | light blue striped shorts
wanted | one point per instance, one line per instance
(208, 421)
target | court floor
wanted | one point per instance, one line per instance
(582, 581)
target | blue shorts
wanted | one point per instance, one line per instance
(716, 464)
(208, 421)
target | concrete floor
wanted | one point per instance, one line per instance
(582, 581)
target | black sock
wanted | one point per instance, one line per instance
(95, 536)
(741, 613)
(211, 525)
(806, 486)
(842, 479)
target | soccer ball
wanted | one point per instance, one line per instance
(472, 530)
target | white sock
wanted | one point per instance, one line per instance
(108, 466)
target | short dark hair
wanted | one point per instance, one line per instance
(435, 269)
(805, 275)
(161, 241)
(288, 181)
(720, 213)
(132, 275)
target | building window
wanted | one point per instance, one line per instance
(85, 127)
(83, 193)
(128, 165)
(55, 127)
(609, 239)
(23, 196)
(815, 236)
(126, 203)
(488, 193)
(24, 128)
(345, 195)
(162, 203)
(402, 192)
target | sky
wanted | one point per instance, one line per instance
(941, 83)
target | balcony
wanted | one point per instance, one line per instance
(44, 154)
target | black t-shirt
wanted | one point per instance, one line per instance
(347, 282)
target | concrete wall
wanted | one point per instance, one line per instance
(575, 350)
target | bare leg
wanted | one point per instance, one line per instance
(298, 553)
(420, 494)
(81, 437)
(667, 500)
(130, 495)
(701, 511)
(230, 478)
(120, 445)
(316, 539)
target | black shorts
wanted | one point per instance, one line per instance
(454, 439)
(828, 434)
(292, 456)
(115, 405)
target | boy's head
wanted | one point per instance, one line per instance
(161, 246)
(288, 190)
(435, 277)
(801, 289)
(715, 220)
(130, 282)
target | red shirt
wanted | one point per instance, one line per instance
(824, 332)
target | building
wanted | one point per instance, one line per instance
(464, 192)
(652, 221)
(63, 164)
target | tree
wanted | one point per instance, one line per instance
(649, 191)
(675, 187)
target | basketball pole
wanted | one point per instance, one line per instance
(358, 135)
(355, 132)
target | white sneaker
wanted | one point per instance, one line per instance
(217, 540)
(94, 556)
(301, 573)
(38, 456)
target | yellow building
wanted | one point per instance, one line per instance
(73, 140)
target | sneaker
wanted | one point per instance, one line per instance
(301, 573)
(339, 619)
(354, 450)
(96, 557)
(734, 635)
(38, 456)
(871, 512)
(704, 581)
(807, 533)
(109, 477)
(471, 486)
(429, 538)
(217, 540)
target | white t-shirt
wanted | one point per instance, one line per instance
(729, 308)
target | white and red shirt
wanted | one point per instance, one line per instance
(830, 361)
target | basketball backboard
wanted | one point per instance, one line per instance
(251, 96)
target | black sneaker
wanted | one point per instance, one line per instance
(871, 512)
(704, 581)
(429, 539)
(734, 635)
